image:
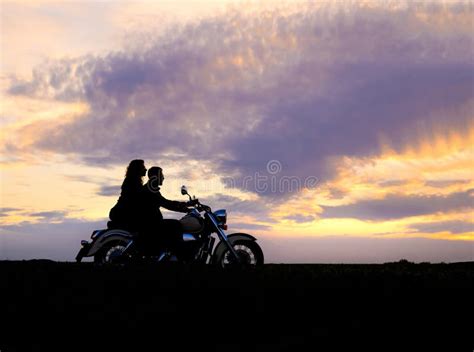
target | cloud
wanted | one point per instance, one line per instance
(83, 178)
(55, 215)
(244, 226)
(392, 183)
(399, 206)
(454, 227)
(108, 191)
(11, 216)
(239, 90)
(5, 211)
(49, 215)
(445, 183)
(259, 209)
(301, 218)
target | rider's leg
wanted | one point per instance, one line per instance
(148, 240)
(171, 232)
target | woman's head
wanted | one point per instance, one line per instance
(136, 170)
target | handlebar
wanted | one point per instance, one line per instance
(200, 207)
(203, 207)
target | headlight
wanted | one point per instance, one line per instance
(221, 216)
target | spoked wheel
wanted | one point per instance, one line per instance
(249, 252)
(112, 253)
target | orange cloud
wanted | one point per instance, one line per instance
(439, 166)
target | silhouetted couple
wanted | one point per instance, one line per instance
(138, 210)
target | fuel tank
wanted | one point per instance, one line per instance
(191, 224)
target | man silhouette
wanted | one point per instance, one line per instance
(155, 231)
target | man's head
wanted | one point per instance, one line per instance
(155, 176)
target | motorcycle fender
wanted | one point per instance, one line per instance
(221, 247)
(106, 237)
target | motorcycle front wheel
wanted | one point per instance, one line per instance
(249, 252)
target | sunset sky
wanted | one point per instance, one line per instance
(332, 131)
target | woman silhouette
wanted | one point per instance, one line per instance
(124, 214)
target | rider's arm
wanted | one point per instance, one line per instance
(172, 205)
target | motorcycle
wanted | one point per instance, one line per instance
(199, 225)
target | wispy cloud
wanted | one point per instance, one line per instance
(301, 218)
(108, 191)
(247, 226)
(5, 211)
(49, 215)
(397, 206)
(454, 227)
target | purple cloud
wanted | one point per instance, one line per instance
(108, 191)
(49, 215)
(247, 227)
(5, 211)
(301, 218)
(398, 206)
(454, 227)
(445, 183)
(309, 87)
(260, 209)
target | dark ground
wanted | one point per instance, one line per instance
(401, 306)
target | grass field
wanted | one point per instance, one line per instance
(396, 306)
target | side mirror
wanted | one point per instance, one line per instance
(184, 190)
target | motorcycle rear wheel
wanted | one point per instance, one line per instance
(111, 253)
